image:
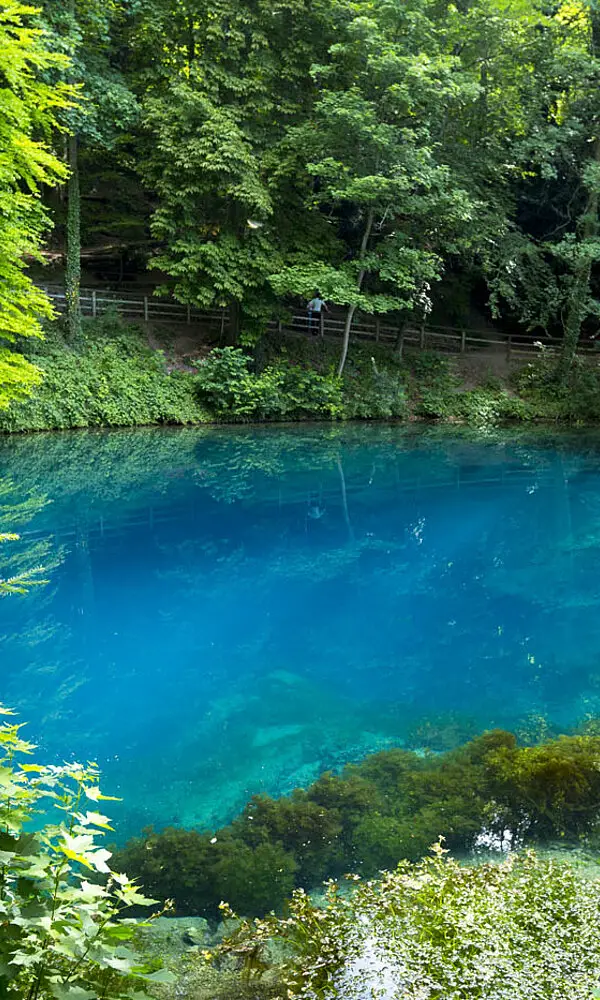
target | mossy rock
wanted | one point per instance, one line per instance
(179, 944)
(201, 981)
(171, 937)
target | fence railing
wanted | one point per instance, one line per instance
(427, 336)
(135, 305)
(456, 340)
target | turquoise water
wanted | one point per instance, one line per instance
(235, 610)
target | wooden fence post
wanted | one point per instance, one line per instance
(463, 341)
(377, 328)
(146, 313)
(189, 315)
(280, 326)
(94, 309)
(422, 338)
(321, 324)
(508, 346)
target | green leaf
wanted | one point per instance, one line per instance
(70, 992)
(161, 976)
(95, 795)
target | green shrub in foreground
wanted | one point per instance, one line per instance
(62, 935)
(109, 378)
(519, 930)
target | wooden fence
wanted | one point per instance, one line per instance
(136, 305)
(451, 339)
(428, 336)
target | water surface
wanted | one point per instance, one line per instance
(235, 610)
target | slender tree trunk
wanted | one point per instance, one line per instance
(588, 227)
(191, 40)
(73, 268)
(235, 323)
(352, 309)
(399, 336)
(347, 329)
(577, 304)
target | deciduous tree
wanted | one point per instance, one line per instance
(28, 113)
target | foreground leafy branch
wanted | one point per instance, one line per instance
(28, 116)
(21, 582)
(63, 930)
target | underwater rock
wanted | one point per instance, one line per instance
(273, 734)
(224, 929)
(196, 936)
(175, 942)
(171, 937)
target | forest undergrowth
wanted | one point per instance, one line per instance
(110, 376)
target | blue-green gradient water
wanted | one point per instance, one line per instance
(236, 610)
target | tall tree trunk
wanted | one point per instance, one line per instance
(235, 323)
(73, 268)
(588, 227)
(361, 276)
(399, 336)
(575, 316)
(576, 306)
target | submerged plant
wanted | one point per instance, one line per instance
(391, 806)
(62, 929)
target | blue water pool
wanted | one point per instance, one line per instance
(235, 610)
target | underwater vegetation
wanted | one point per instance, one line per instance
(392, 806)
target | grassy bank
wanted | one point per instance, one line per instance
(118, 375)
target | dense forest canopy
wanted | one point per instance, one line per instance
(245, 152)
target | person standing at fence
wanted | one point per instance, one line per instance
(315, 308)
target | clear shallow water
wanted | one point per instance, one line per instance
(236, 610)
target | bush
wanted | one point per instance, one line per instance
(490, 406)
(61, 906)
(226, 385)
(574, 398)
(372, 392)
(440, 395)
(519, 929)
(109, 378)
